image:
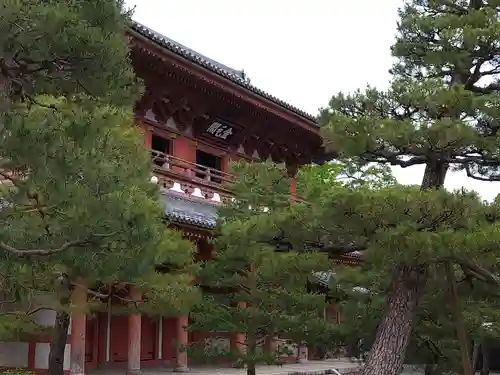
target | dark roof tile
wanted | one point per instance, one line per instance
(233, 75)
(323, 278)
(189, 211)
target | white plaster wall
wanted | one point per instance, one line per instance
(260, 346)
(48, 318)
(42, 355)
(171, 124)
(45, 318)
(282, 345)
(14, 354)
(150, 115)
(217, 344)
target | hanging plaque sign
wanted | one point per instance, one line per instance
(221, 131)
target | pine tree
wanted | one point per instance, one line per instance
(353, 173)
(441, 112)
(278, 236)
(77, 206)
(255, 269)
(433, 341)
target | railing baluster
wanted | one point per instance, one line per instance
(166, 165)
(190, 171)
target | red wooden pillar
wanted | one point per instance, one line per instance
(292, 172)
(147, 137)
(183, 150)
(293, 188)
(134, 337)
(78, 330)
(303, 355)
(181, 336)
(238, 342)
(272, 345)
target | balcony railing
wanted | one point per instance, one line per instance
(196, 180)
(190, 178)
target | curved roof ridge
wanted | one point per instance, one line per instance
(236, 76)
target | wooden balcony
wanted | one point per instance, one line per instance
(185, 177)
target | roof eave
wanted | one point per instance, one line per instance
(272, 103)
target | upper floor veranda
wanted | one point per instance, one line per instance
(198, 115)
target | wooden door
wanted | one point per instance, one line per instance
(149, 333)
(90, 339)
(119, 339)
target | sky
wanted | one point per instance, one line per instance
(300, 51)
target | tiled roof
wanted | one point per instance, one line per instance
(189, 211)
(3, 203)
(200, 209)
(233, 75)
(323, 277)
(203, 214)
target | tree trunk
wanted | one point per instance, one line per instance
(251, 370)
(434, 176)
(387, 353)
(433, 369)
(458, 321)
(438, 370)
(475, 355)
(58, 343)
(251, 353)
(485, 370)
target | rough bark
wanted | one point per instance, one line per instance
(475, 354)
(251, 370)
(434, 176)
(387, 354)
(485, 370)
(407, 285)
(58, 343)
(251, 353)
(433, 370)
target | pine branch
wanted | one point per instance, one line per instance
(10, 177)
(8, 301)
(16, 81)
(62, 248)
(260, 330)
(343, 248)
(339, 249)
(258, 342)
(465, 158)
(431, 345)
(480, 272)
(109, 294)
(92, 292)
(40, 308)
(490, 178)
(393, 158)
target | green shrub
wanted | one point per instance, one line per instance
(17, 372)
